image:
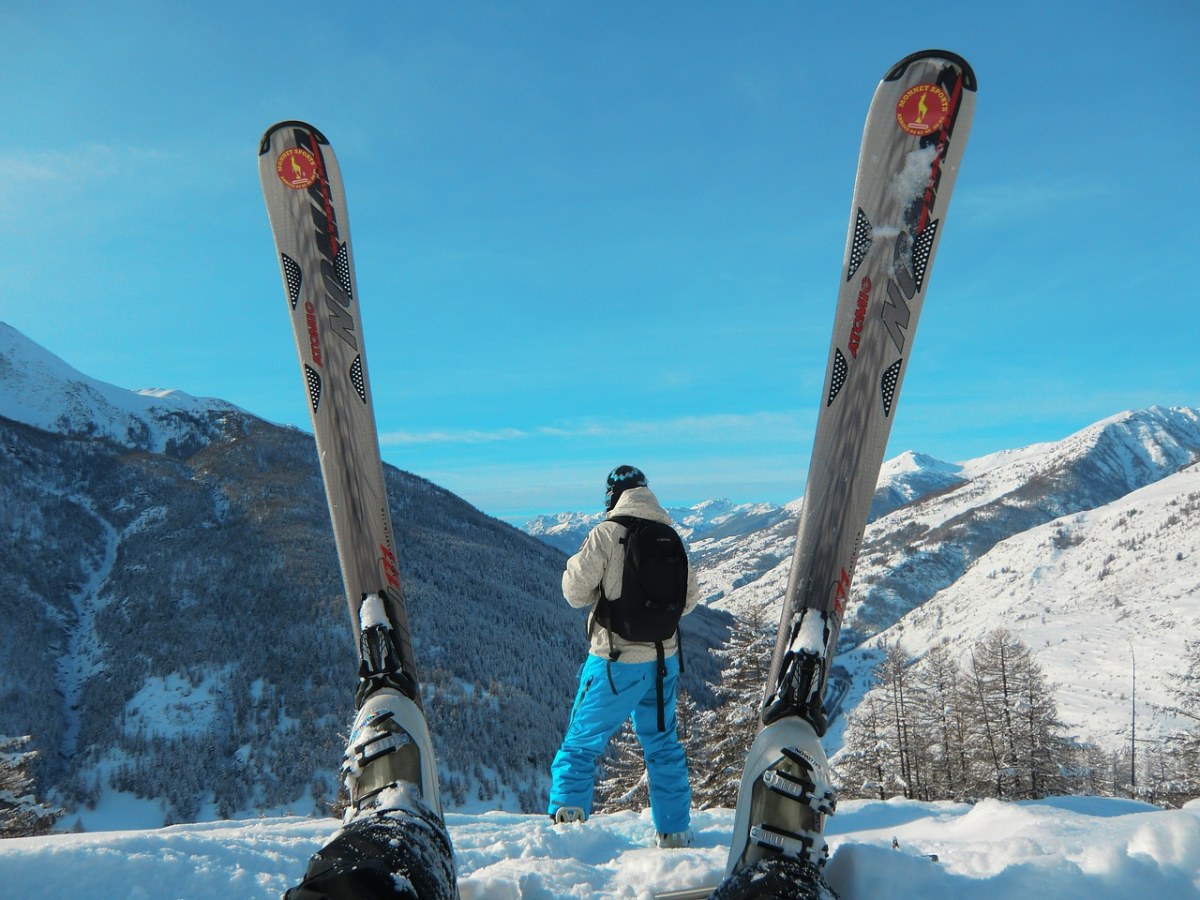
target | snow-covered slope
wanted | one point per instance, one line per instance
(959, 511)
(1067, 847)
(914, 552)
(1089, 593)
(39, 389)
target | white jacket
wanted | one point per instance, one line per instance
(601, 560)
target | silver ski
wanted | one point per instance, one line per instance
(306, 202)
(394, 843)
(912, 145)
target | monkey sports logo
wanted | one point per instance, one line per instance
(922, 109)
(296, 168)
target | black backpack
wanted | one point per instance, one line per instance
(653, 583)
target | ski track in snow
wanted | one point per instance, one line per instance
(1101, 849)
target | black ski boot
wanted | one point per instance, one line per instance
(402, 854)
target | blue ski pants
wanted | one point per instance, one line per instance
(609, 692)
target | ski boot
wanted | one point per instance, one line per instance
(673, 840)
(393, 844)
(567, 815)
(778, 848)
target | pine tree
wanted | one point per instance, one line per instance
(725, 733)
(622, 783)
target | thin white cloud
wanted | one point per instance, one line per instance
(1009, 202)
(79, 164)
(452, 436)
(34, 167)
(695, 428)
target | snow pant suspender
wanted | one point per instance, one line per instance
(659, 674)
(662, 673)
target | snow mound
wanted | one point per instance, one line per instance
(1103, 849)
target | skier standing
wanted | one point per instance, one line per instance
(623, 676)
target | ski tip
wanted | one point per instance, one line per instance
(265, 144)
(953, 59)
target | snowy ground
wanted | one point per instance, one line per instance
(1070, 847)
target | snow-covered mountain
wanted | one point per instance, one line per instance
(170, 592)
(1091, 593)
(757, 555)
(734, 545)
(182, 601)
(932, 519)
(39, 389)
(964, 522)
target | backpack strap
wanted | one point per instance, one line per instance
(613, 655)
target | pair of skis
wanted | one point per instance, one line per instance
(394, 843)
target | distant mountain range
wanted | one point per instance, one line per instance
(712, 520)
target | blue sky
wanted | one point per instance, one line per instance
(592, 234)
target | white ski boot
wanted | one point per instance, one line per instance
(389, 752)
(566, 815)
(784, 797)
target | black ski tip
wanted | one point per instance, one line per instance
(265, 144)
(968, 73)
(775, 878)
(397, 855)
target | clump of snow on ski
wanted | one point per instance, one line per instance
(371, 614)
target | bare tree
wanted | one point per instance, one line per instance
(1023, 743)
(868, 764)
(941, 715)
